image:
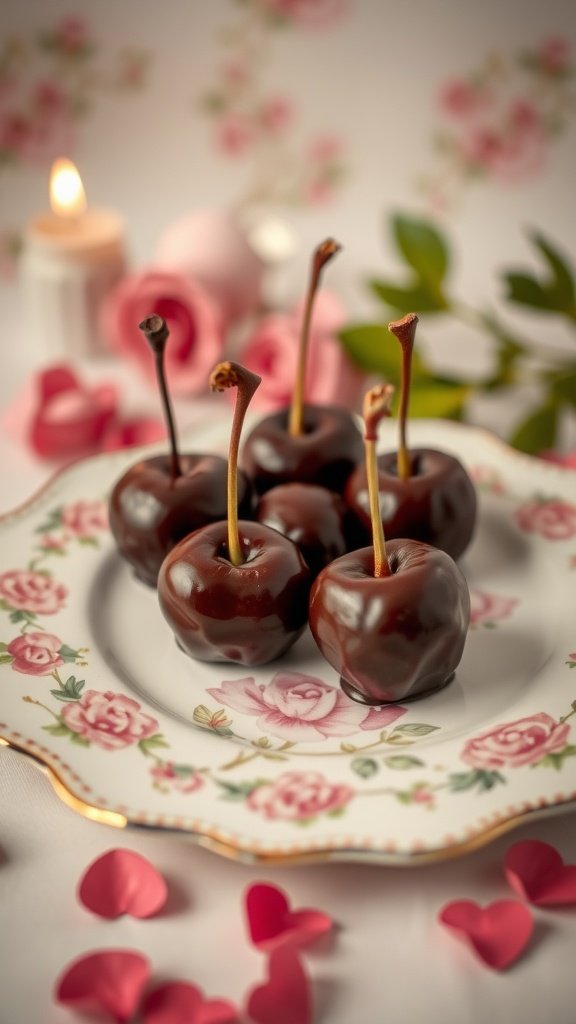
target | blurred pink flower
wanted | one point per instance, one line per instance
(487, 609)
(72, 35)
(210, 246)
(568, 460)
(85, 519)
(299, 796)
(168, 776)
(307, 13)
(325, 149)
(35, 654)
(193, 317)
(48, 97)
(554, 54)
(235, 73)
(319, 191)
(271, 351)
(276, 114)
(131, 432)
(460, 98)
(235, 133)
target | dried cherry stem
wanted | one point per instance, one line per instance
(223, 376)
(376, 408)
(405, 331)
(320, 257)
(156, 331)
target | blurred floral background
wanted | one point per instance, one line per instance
(435, 142)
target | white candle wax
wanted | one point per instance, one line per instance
(68, 265)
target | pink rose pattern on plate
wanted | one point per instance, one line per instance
(500, 121)
(291, 709)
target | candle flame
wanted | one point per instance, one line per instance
(67, 195)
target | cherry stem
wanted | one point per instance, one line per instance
(156, 331)
(376, 408)
(405, 331)
(223, 376)
(320, 257)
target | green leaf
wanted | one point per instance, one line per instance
(365, 767)
(416, 729)
(152, 743)
(436, 399)
(556, 760)
(423, 247)
(415, 297)
(564, 387)
(5, 659)
(57, 730)
(3, 646)
(68, 653)
(239, 790)
(20, 616)
(374, 349)
(538, 431)
(561, 283)
(526, 291)
(402, 761)
(88, 542)
(79, 740)
(484, 780)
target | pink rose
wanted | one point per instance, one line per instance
(35, 654)
(32, 592)
(85, 518)
(134, 431)
(72, 35)
(167, 776)
(326, 149)
(516, 744)
(108, 719)
(299, 796)
(276, 114)
(272, 351)
(462, 99)
(554, 55)
(568, 460)
(302, 708)
(210, 246)
(307, 13)
(194, 319)
(553, 519)
(487, 609)
(236, 133)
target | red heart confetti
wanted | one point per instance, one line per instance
(536, 871)
(122, 882)
(178, 1002)
(108, 981)
(498, 933)
(286, 997)
(271, 922)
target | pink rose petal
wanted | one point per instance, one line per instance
(122, 882)
(536, 871)
(178, 1002)
(109, 981)
(498, 933)
(272, 924)
(130, 433)
(285, 998)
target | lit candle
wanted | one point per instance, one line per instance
(72, 257)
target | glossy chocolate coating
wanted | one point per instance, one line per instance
(150, 512)
(325, 454)
(436, 505)
(312, 517)
(394, 637)
(249, 614)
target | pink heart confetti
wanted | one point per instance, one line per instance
(178, 1002)
(285, 998)
(536, 871)
(498, 933)
(271, 922)
(122, 882)
(108, 981)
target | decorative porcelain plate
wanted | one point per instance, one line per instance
(275, 763)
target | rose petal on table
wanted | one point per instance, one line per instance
(286, 997)
(108, 981)
(69, 419)
(498, 933)
(130, 433)
(272, 923)
(536, 871)
(122, 882)
(178, 1002)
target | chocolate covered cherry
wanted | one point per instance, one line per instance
(304, 443)
(397, 636)
(392, 618)
(314, 518)
(235, 591)
(162, 499)
(436, 504)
